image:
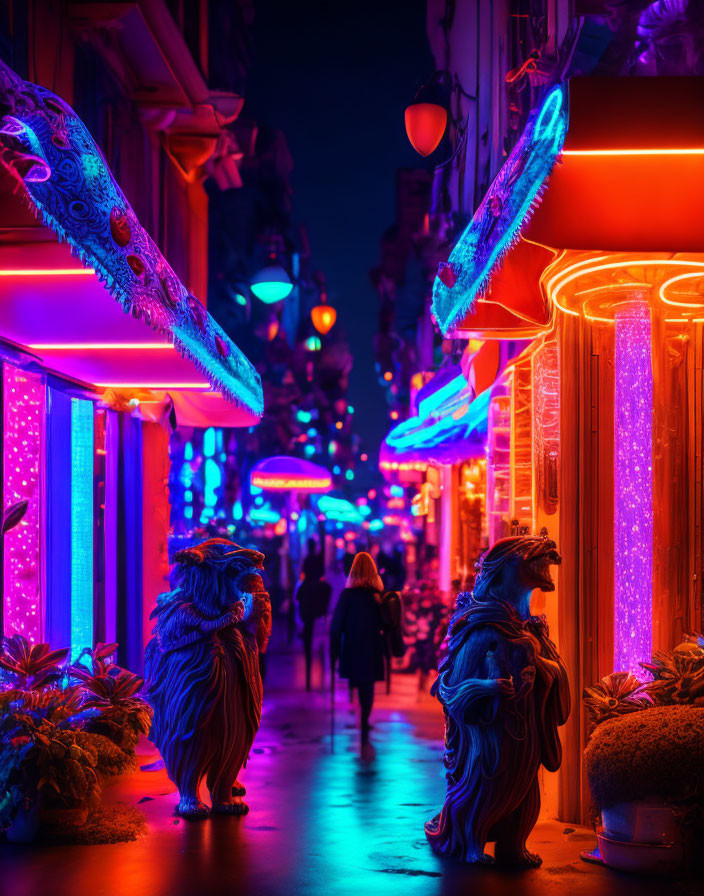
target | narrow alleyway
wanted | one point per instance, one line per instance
(320, 822)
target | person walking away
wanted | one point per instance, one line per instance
(313, 600)
(357, 639)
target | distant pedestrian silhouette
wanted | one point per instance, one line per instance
(313, 600)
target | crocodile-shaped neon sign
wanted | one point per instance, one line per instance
(507, 205)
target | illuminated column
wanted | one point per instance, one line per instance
(633, 487)
(23, 419)
(81, 525)
(448, 530)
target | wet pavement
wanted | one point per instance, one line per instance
(319, 821)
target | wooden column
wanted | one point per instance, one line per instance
(585, 627)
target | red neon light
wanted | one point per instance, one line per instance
(695, 151)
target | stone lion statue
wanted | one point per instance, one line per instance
(504, 692)
(202, 671)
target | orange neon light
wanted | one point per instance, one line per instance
(88, 346)
(690, 275)
(585, 267)
(403, 466)
(262, 480)
(45, 272)
(694, 151)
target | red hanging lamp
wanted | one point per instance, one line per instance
(426, 117)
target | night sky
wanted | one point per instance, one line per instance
(335, 77)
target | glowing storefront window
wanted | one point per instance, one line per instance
(24, 397)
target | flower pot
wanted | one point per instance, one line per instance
(25, 827)
(643, 836)
(641, 858)
(644, 821)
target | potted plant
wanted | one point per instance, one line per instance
(645, 761)
(47, 774)
(121, 714)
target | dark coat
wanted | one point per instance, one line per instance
(313, 599)
(357, 636)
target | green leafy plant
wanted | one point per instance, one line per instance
(44, 761)
(30, 666)
(113, 692)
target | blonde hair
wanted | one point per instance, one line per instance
(364, 573)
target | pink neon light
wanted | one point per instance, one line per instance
(45, 272)
(23, 395)
(91, 346)
(153, 385)
(633, 488)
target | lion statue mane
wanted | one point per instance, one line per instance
(202, 671)
(504, 692)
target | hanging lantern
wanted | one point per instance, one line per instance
(323, 316)
(425, 126)
(271, 284)
(272, 329)
(426, 117)
(313, 344)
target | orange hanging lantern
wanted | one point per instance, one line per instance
(425, 126)
(323, 317)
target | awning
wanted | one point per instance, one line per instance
(62, 312)
(443, 432)
(630, 179)
(497, 222)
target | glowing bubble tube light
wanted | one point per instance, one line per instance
(23, 399)
(81, 525)
(633, 488)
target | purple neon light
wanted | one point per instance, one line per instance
(23, 399)
(633, 488)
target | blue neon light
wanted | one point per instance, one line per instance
(503, 211)
(213, 481)
(81, 525)
(339, 509)
(264, 514)
(415, 433)
(435, 399)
